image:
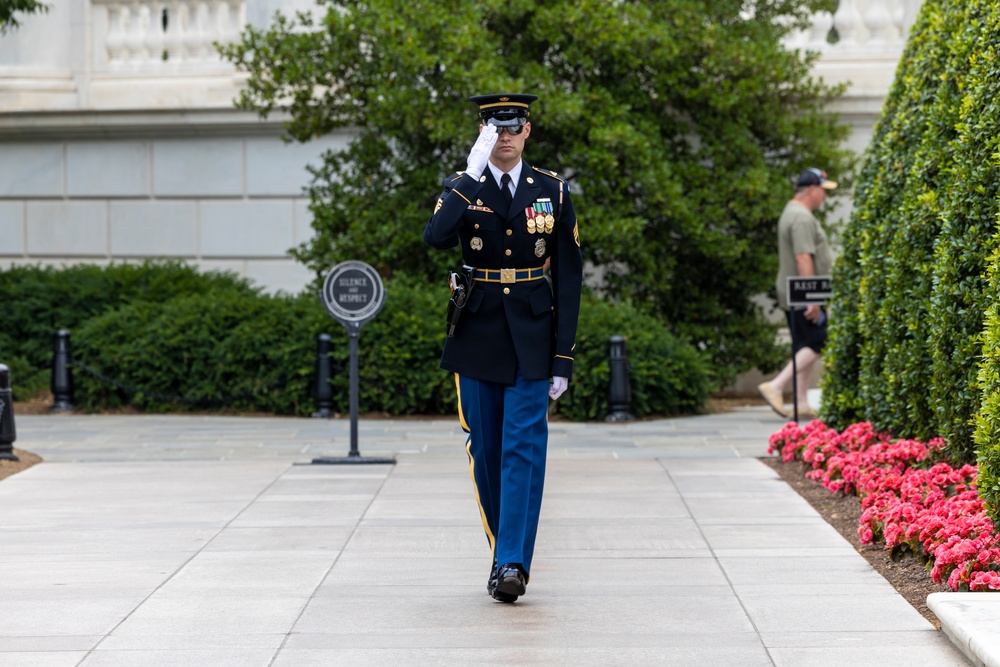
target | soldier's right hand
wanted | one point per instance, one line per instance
(481, 151)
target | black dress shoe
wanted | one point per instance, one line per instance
(491, 588)
(510, 580)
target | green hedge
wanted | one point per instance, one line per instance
(201, 347)
(853, 352)
(914, 345)
(961, 294)
(987, 433)
(881, 363)
(905, 316)
(982, 125)
(215, 338)
(211, 346)
(667, 376)
(39, 300)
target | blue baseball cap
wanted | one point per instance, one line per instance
(813, 176)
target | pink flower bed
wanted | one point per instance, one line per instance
(911, 498)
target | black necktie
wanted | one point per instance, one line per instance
(505, 188)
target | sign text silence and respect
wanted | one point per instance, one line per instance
(353, 293)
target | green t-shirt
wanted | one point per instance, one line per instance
(799, 232)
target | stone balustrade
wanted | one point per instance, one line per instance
(859, 28)
(163, 35)
(124, 55)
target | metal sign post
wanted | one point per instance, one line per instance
(805, 291)
(353, 295)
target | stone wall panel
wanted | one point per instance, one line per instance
(31, 169)
(11, 228)
(277, 169)
(154, 228)
(67, 228)
(250, 229)
(198, 167)
(107, 169)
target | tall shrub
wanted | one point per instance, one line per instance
(854, 358)
(904, 316)
(879, 332)
(843, 403)
(961, 294)
(928, 250)
(987, 433)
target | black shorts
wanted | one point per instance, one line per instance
(805, 333)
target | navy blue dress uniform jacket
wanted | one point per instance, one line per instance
(505, 326)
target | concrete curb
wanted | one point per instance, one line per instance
(972, 622)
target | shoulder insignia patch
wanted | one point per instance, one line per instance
(550, 174)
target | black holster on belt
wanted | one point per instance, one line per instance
(461, 288)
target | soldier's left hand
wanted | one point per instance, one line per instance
(557, 387)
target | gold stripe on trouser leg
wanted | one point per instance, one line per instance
(461, 414)
(472, 467)
(475, 487)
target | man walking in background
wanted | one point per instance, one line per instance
(803, 250)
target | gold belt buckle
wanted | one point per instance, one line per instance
(508, 275)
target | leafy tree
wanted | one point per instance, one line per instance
(679, 123)
(8, 9)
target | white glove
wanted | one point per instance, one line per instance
(481, 151)
(557, 387)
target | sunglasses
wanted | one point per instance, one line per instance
(511, 130)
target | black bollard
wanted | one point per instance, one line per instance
(7, 432)
(619, 389)
(62, 376)
(323, 394)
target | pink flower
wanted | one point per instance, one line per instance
(933, 509)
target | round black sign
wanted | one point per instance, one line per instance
(353, 293)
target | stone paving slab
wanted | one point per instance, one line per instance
(173, 540)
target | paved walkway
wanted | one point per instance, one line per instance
(170, 540)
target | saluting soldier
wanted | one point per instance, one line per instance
(512, 348)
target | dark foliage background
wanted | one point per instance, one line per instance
(680, 125)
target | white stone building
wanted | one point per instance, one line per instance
(119, 141)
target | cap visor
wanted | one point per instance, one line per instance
(510, 122)
(829, 185)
